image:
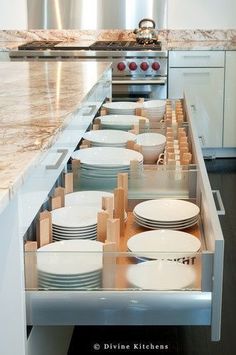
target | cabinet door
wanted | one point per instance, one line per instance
(230, 101)
(205, 88)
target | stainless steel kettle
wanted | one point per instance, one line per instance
(146, 32)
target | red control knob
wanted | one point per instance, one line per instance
(144, 66)
(121, 66)
(156, 66)
(133, 66)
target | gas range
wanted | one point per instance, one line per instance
(98, 45)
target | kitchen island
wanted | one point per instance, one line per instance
(45, 110)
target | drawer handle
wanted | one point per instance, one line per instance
(93, 108)
(217, 197)
(202, 139)
(59, 160)
(196, 56)
(196, 73)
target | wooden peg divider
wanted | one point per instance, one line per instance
(113, 231)
(119, 207)
(44, 229)
(97, 121)
(60, 191)
(123, 181)
(83, 146)
(130, 145)
(103, 111)
(138, 111)
(140, 100)
(55, 202)
(102, 218)
(86, 142)
(96, 127)
(137, 148)
(31, 274)
(109, 265)
(75, 170)
(108, 205)
(183, 140)
(68, 183)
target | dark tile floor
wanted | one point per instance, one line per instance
(185, 340)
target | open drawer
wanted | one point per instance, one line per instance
(112, 297)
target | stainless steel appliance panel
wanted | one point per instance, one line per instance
(105, 14)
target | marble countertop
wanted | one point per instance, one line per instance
(37, 100)
(6, 46)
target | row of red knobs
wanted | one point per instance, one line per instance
(133, 66)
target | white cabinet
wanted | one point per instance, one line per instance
(201, 74)
(229, 137)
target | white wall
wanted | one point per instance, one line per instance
(13, 15)
(203, 14)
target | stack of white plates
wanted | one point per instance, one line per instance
(122, 107)
(74, 222)
(105, 162)
(109, 138)
(153, 144)
(70, 264)
(154, 110)
(87, 198)
(164, 244)
(166, 213)
(121, 122)
(161, 275)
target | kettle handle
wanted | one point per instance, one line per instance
(147, 19)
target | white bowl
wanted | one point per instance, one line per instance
(154, 104)
(152, 144)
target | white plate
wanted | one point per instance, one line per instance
(122, 105)
(161, 226)
(121, 120)
(151, 139)
(109, 136)
(76, 236)
(164, 244)
(86, 198)
(70, 257)
(69, 286)
(71, 279)
(75, 216)
(166, 210)
(161, 275)
(169, 224)
(106, 156)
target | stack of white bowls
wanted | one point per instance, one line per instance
(109, 138)
(121, 122)
(154, 110)
(70, 264)
(104, 163)
(122, 107)
(74, 222)
(152, 144)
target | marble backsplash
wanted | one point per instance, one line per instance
(88, 35)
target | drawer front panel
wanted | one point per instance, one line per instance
(196, 59)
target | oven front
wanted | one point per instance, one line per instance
(130, 89)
